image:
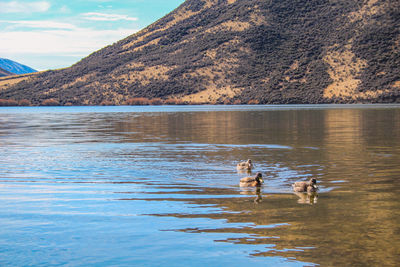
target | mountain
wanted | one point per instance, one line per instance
(239, 51)
(3, 73)
(15, 67)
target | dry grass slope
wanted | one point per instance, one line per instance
(248, 51)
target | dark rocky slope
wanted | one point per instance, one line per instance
(244, 51)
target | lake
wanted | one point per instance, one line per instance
(157, 185)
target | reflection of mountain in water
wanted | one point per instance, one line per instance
(355, 219)
(287, 228)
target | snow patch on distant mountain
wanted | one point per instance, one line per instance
(15, 67)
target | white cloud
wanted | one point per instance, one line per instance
(107, 17)
(64, 9)
(22, 7)
(56, 43)
(44, 24)
(61, 42)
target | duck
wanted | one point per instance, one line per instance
(308, 187)
(252, 181)
(245, 165)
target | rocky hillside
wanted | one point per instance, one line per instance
(239, 51)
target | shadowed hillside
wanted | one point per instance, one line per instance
(244, 51)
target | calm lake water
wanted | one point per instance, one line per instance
(152, 186)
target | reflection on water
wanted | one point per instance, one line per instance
(307, 198)
(256, 191)
(113, 185)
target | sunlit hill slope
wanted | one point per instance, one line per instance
(243, 51)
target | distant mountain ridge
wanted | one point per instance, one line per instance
(239, 52)
(15, 67)
(3, 73)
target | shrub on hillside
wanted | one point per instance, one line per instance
(173, 102)
(8, 102)
(24, 103)
(156, 101)
(140, 101)
(106, 103)
(253, 102)
(50, 102)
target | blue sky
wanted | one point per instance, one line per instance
(50, 34)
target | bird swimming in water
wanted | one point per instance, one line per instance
(245, 165)
(252, 181)
(308, 187)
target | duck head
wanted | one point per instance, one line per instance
(312, 187)
(259, 178)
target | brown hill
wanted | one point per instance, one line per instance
(240, 51)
